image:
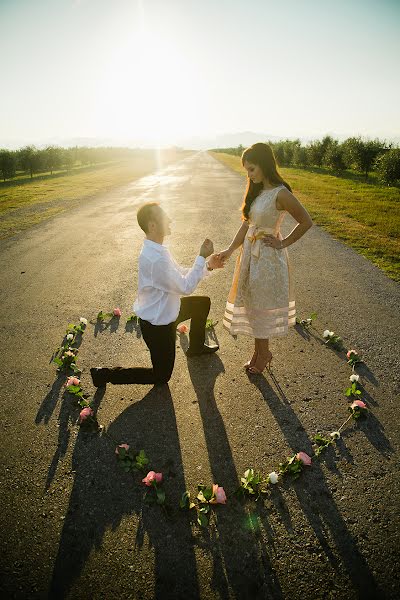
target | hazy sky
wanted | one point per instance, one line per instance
(163, 70)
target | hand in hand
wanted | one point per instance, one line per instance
(224, 255)
(215, 262)
(207, 248)
(272, 241)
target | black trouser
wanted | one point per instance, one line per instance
(161, 341)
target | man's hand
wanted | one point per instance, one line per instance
(207, 248)
(215, 262)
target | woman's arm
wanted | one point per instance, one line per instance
(236, 242)
(286, 201)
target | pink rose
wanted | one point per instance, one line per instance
(305, 459)
(85, 413)
(350, 352)
(152, 476)
(126, 446)
(358, 403)
(117, 312)
(72, 381)
(220, 496)
(183, 328)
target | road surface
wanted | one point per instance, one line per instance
(73, 524)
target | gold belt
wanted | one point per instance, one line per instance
(255, 236)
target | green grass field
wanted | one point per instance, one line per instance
(366, 216)
(30, 201)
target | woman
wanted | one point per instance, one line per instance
(261, 301)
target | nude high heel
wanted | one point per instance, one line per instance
(255, 371)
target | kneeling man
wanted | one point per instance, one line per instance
(159, 305)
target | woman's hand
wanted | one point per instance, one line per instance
(224, 255)
(272, 241)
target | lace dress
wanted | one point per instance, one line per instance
(261, 300)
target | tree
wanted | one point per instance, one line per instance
(68, 158)
(300, 156)
(362, 154)
(52, 158)
(30, 159)
(388, 166)
(8, 163)
(315, 153)
(333, 157)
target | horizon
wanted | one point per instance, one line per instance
(145, 75)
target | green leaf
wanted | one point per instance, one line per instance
(58, 361)
(208, 493)
(160, 496)
(184, 502)
(205, 509)
(202, 520)
(73, 389)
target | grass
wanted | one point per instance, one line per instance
(364, 215)
(33, 200)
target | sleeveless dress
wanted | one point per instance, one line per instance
(261, 300)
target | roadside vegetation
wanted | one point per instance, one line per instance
(34, 194)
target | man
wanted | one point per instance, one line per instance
(159, 305)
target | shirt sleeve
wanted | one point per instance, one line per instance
(166, 276)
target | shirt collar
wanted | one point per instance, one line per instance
(155, 246)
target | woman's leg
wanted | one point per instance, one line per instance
(253, 359)
(264, 356)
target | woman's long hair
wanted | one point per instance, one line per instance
(262, 155)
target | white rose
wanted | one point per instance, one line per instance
(83, 320)
(70, 336)
(335, 435)
(273, 477)
(354, 377)
(326, 333)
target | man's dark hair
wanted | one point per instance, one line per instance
(145, 214)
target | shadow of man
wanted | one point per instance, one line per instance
(103, 495)
(242, 566)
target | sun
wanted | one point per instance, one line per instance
(151, 90)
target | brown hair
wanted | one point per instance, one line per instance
(145, 214)
(262, 155)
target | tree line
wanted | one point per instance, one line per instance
(31, 160)
(355, 153)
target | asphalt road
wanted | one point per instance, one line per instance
(73, 524)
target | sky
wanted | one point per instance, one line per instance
(163, 71)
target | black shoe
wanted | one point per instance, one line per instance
(99, 376)
(203, 350)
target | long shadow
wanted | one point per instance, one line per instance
(100, 326)
(103, 495)
(362, 369)
(316, 500)
(240, 574)
(49, 402)
(133, 327)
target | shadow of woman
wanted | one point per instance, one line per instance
(316, 500)
(103, 495)
(245, 573)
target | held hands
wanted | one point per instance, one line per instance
(207, 248)
(224, 255)
(215, 262)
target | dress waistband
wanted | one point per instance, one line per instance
(255, 235)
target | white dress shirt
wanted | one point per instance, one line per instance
(162, 282)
